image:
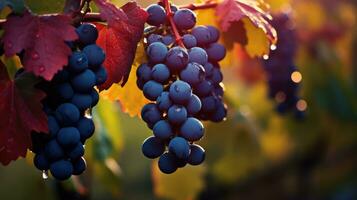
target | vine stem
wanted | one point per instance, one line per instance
(201, 6)
(172, 23)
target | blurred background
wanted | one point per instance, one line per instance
(297, 144)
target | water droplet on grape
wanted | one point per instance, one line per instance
(44, 175)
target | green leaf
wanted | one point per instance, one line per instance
(18, 6)
(45, 6)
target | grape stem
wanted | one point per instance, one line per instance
(172, 23)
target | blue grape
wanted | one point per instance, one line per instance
(168, 39)
(40, 161)
(152, 147)
(216, 76)
(154, 38)
(160, 73)
(86, 128)
(152, 90)
(177, 58)
(87, 33)
(167, 163)
(198, 55)
(65, 91)
(208, 69)
(180, 92)
(216, 52)
(189, 41)
(151, 114)
(79, 166)
(202, 35)
(157, 15)
(162, 130)
(76, 152)
(84, 81)
(95, 97)
(192, 129)
(214, 34)
(140, 83)
(156, 52)
(61, 76)
(179, 147)
(53, 150)
(68, 136)
(194, 105)
(177, 114)
(193, 74)
(163, 101)
(203, 89)
(95, 54)
(220, 113)
(144, 72)
(101, 75)
(208, 104)
(61, 169)
(219, 90)
(185, 19)
(82, 101)
(78, 62)
(67, 114)
(197, 155)
(53, 126)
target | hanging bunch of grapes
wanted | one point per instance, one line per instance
(283, 76)
(184, 82)
(70, 97)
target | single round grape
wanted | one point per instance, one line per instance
(216, 76)
(197, 155)
(140, 83)
(67, 114)
(203, 89)
(40, 161)
(68, 137)
(101, 75)
(193, 74)
(157, 15)
(220, 113)
(53, 151)
(208, 69)
(192, 129)
(87, 33)
(208, 104)
(79, 166)
(95, 54)
(160, 73)
(65, 91)
(180, 147)
(214, 32)
(95, 97)
(84, 81)
(163, 101)
(194, 105)
(76, 152)
(219, 90)
(53, 126)
(82, 101)
(150, 113)
(153, 147)
(154, 38)
(77, 62)
(180, 92)
(185, 19)
(157, 52)
(216, 52)
(198, 55)
(177, 114)
(168, 40)
(144, 72)
(167, 163)
(162, 130)
(202, 35)
(152, 90)
(61, 169)
(177, 58)
(189, 41)
(86, 128)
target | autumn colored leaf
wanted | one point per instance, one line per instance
(21, 106)
(257, 42)
(120, 38)
(42, 38)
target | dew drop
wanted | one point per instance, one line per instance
(35, 55)
(37, 35)
(88, 113)
(44, 174)
(273, 47)
(42, 69)
(265, 57)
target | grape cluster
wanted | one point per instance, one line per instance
(70, 96)
(283, 76)
(183, 80)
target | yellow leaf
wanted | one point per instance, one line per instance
(258, 43)
(207, 17)
(130, 96)
(277, 5)
(184, 184)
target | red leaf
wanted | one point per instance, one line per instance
(21, 108)
(42, 39)
(230, 11)
(120, 38)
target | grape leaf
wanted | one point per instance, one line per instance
(18, 6)
(120, 38)
(230, 11)
(257, 42)
(21, 105)
(42, 39)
